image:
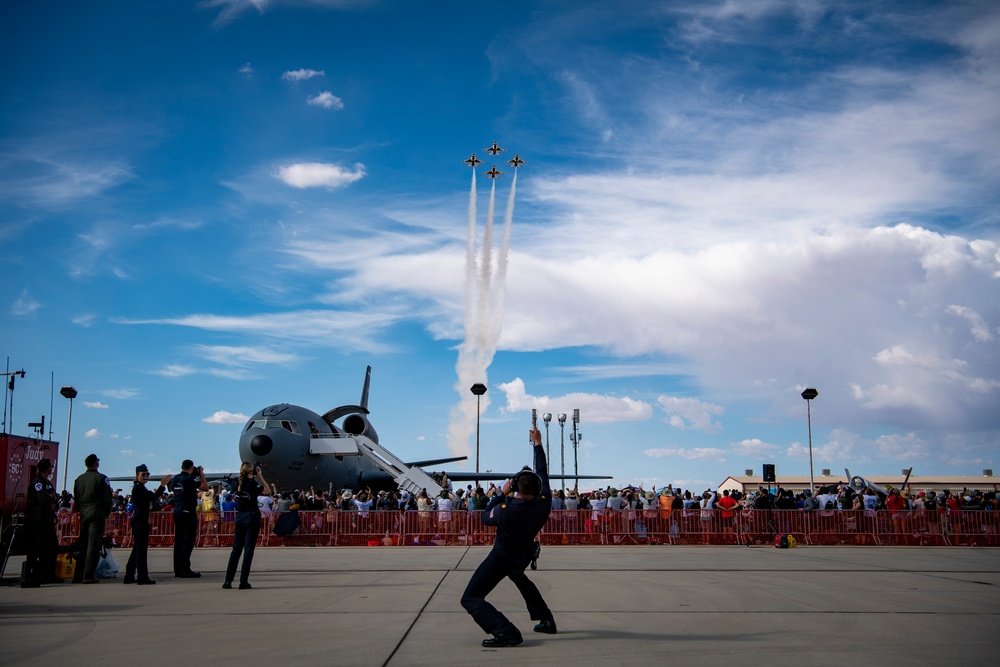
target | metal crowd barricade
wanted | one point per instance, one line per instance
(581, 527)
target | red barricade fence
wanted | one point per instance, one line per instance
(582, 527)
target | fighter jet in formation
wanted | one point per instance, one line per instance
(492, 173)
(495, 149)
(516, 162)
(473, 161)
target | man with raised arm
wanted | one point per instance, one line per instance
(518, 512)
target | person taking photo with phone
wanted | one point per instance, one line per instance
(251, 485)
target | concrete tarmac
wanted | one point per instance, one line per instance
(651, 605)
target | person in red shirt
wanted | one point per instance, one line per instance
(898, 505)
(727, 503)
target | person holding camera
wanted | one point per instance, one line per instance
(137, 568)
(517, 518)
(186, 486)
(251, 485)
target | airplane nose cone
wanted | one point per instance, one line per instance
(261, 445)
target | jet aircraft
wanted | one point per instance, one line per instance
(492, 173)
(495, 149)
(473, 161)
(516, 162)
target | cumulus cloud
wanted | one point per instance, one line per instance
(594, 408)
(327, 100)
(95, 404)
(754, 448)
(690, 413)
(319, 175)
(302, 74)
(92, 433)
(223, 417)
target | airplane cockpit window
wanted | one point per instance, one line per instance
(284, 424)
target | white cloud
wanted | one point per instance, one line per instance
(121, 394)
(246, 70)
(327, 100)
(594, 408)
(25, 306)
(754, 448)
(127, 452)
(238, 356)
(319, 174)
(92, 433)
(85, 321)
(223, 417)
(693, 454)
(95, 404)
(302, 74)
(978, 327)
(175, 371)
(685, 413)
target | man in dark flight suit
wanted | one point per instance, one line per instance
(141, 499)
(40, 526)
(186, 486)
(92, 491)
(518, 518)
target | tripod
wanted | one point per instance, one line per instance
(14, 527)
(769, 529)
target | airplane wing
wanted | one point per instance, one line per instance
(496, 476)
(434, 462)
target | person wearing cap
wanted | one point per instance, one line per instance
(517, 519)
(92, 491)
(40, 527)
(137, 569)
(186, 486)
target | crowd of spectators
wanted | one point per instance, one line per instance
(630, 498)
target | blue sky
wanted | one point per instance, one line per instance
(210, 207)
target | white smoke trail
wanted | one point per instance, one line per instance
(500, 293)
(485, 294)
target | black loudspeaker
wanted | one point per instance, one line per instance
(769, 472)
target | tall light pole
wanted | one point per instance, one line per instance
(809, 394)
(478, 389)
(562, 446)
(547, 417)
(575, 439)
(70, 393)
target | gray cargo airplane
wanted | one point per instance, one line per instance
(282, 438)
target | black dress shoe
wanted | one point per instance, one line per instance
(227, 585)
(128, 580)
(189, 575)
(509, 639)
(146, 582)
(548, 627)
(244, 587)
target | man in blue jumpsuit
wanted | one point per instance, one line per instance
(517, 518)
(137, 568)
(186, 486)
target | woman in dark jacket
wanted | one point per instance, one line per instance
(250, 486)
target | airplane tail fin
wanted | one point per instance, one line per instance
(364, 391)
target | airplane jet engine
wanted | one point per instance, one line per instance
(358, 424)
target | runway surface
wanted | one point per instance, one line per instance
(399, 606)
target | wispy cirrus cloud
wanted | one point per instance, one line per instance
(25, 305)
(95, 404)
